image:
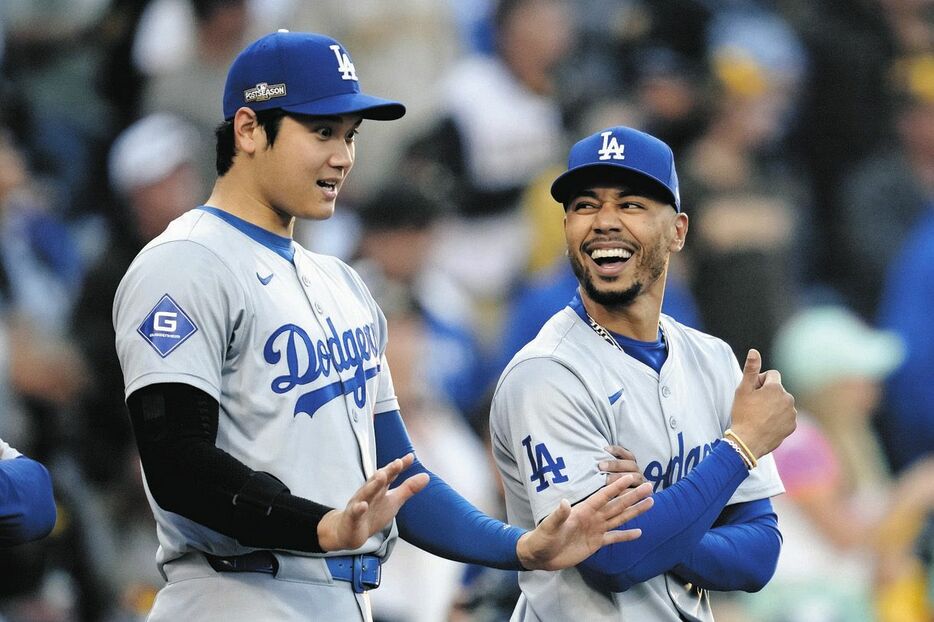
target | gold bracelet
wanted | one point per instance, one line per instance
(739, 452)
(745, 448)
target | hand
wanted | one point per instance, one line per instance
(569, 535)
(371, 508)
(625, 462)
(763, 411)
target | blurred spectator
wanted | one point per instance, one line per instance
(418, 586)
(748, 225)
(884, 197)
(27, 508)
(847, 526)
(191, 90)
(54, 50)
(399, 226)
(152, 171)
(501, 126)
(908, 428)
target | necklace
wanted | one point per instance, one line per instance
(603, 332)
(608, 337)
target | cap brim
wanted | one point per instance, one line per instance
(587, 175)
(366, 106)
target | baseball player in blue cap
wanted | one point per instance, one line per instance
(611, 369)
(275, 459)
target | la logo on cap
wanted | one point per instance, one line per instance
(611, 147)
(348, 72)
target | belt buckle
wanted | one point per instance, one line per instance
(361, 563)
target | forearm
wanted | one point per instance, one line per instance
(438, 519)
(176, 429)
(683, 513)
(27, 507)
(734, 557)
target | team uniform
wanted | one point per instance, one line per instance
(290, 343)
(566, 396)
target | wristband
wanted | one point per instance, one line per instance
(742, 447)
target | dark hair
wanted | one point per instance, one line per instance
(270, 120)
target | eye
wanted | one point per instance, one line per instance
(324, 131)
(581, 206)
(352, 135)
(631, 205)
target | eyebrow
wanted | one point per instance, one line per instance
(620, 193)
(330, 118)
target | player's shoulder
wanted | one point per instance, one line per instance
(334, 268)
(193, 233)
(698, 342)
(555, 348)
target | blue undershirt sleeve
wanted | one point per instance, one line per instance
(27, 507)
(739, 553)
(439, 520)
(679, 519)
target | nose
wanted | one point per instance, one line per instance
(342, 156)
(606, 219)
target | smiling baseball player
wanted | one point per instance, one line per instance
(611, 369)
(261, 400)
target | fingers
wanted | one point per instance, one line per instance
(772, 376)
(620, 535)
(752, 367)
(610, 491)
(618, 451)
(411, 485)
(629, 505)
(557, 518)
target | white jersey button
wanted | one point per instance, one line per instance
(666, 392)
(673, 423)
(318, 308)
(306, 280)
(356, 416)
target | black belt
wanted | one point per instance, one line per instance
(362, 571)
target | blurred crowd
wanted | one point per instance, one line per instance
(804, 136)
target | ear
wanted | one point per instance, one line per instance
(680, 226)
(246, 131)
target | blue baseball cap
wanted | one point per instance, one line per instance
(304, 73)
(614, 150)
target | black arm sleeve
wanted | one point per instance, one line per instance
(176, 429)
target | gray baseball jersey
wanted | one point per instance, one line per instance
(293, 354)
(566, 396)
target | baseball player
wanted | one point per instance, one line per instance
(611, 369)
(273, 451)
(27, 508)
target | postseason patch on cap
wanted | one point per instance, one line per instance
(166, 327)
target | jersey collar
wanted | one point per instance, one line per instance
(282, 246)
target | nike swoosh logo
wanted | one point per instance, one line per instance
(615, 397)
(264, 279)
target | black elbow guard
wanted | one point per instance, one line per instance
(257, 494)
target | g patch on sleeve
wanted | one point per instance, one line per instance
(167, 326)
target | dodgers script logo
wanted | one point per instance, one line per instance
(678, 467)
(348, 72)
(307, 361)
(611, 147)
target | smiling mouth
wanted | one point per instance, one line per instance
(610, 258)
(328, 185)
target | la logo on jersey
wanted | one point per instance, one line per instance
(348, 72)
(306, 361)
(611, 147)
(544, 465)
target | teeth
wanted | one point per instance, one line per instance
(604, 253)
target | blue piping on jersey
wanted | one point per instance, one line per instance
(276, 243)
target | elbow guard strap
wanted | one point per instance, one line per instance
(255, 498)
